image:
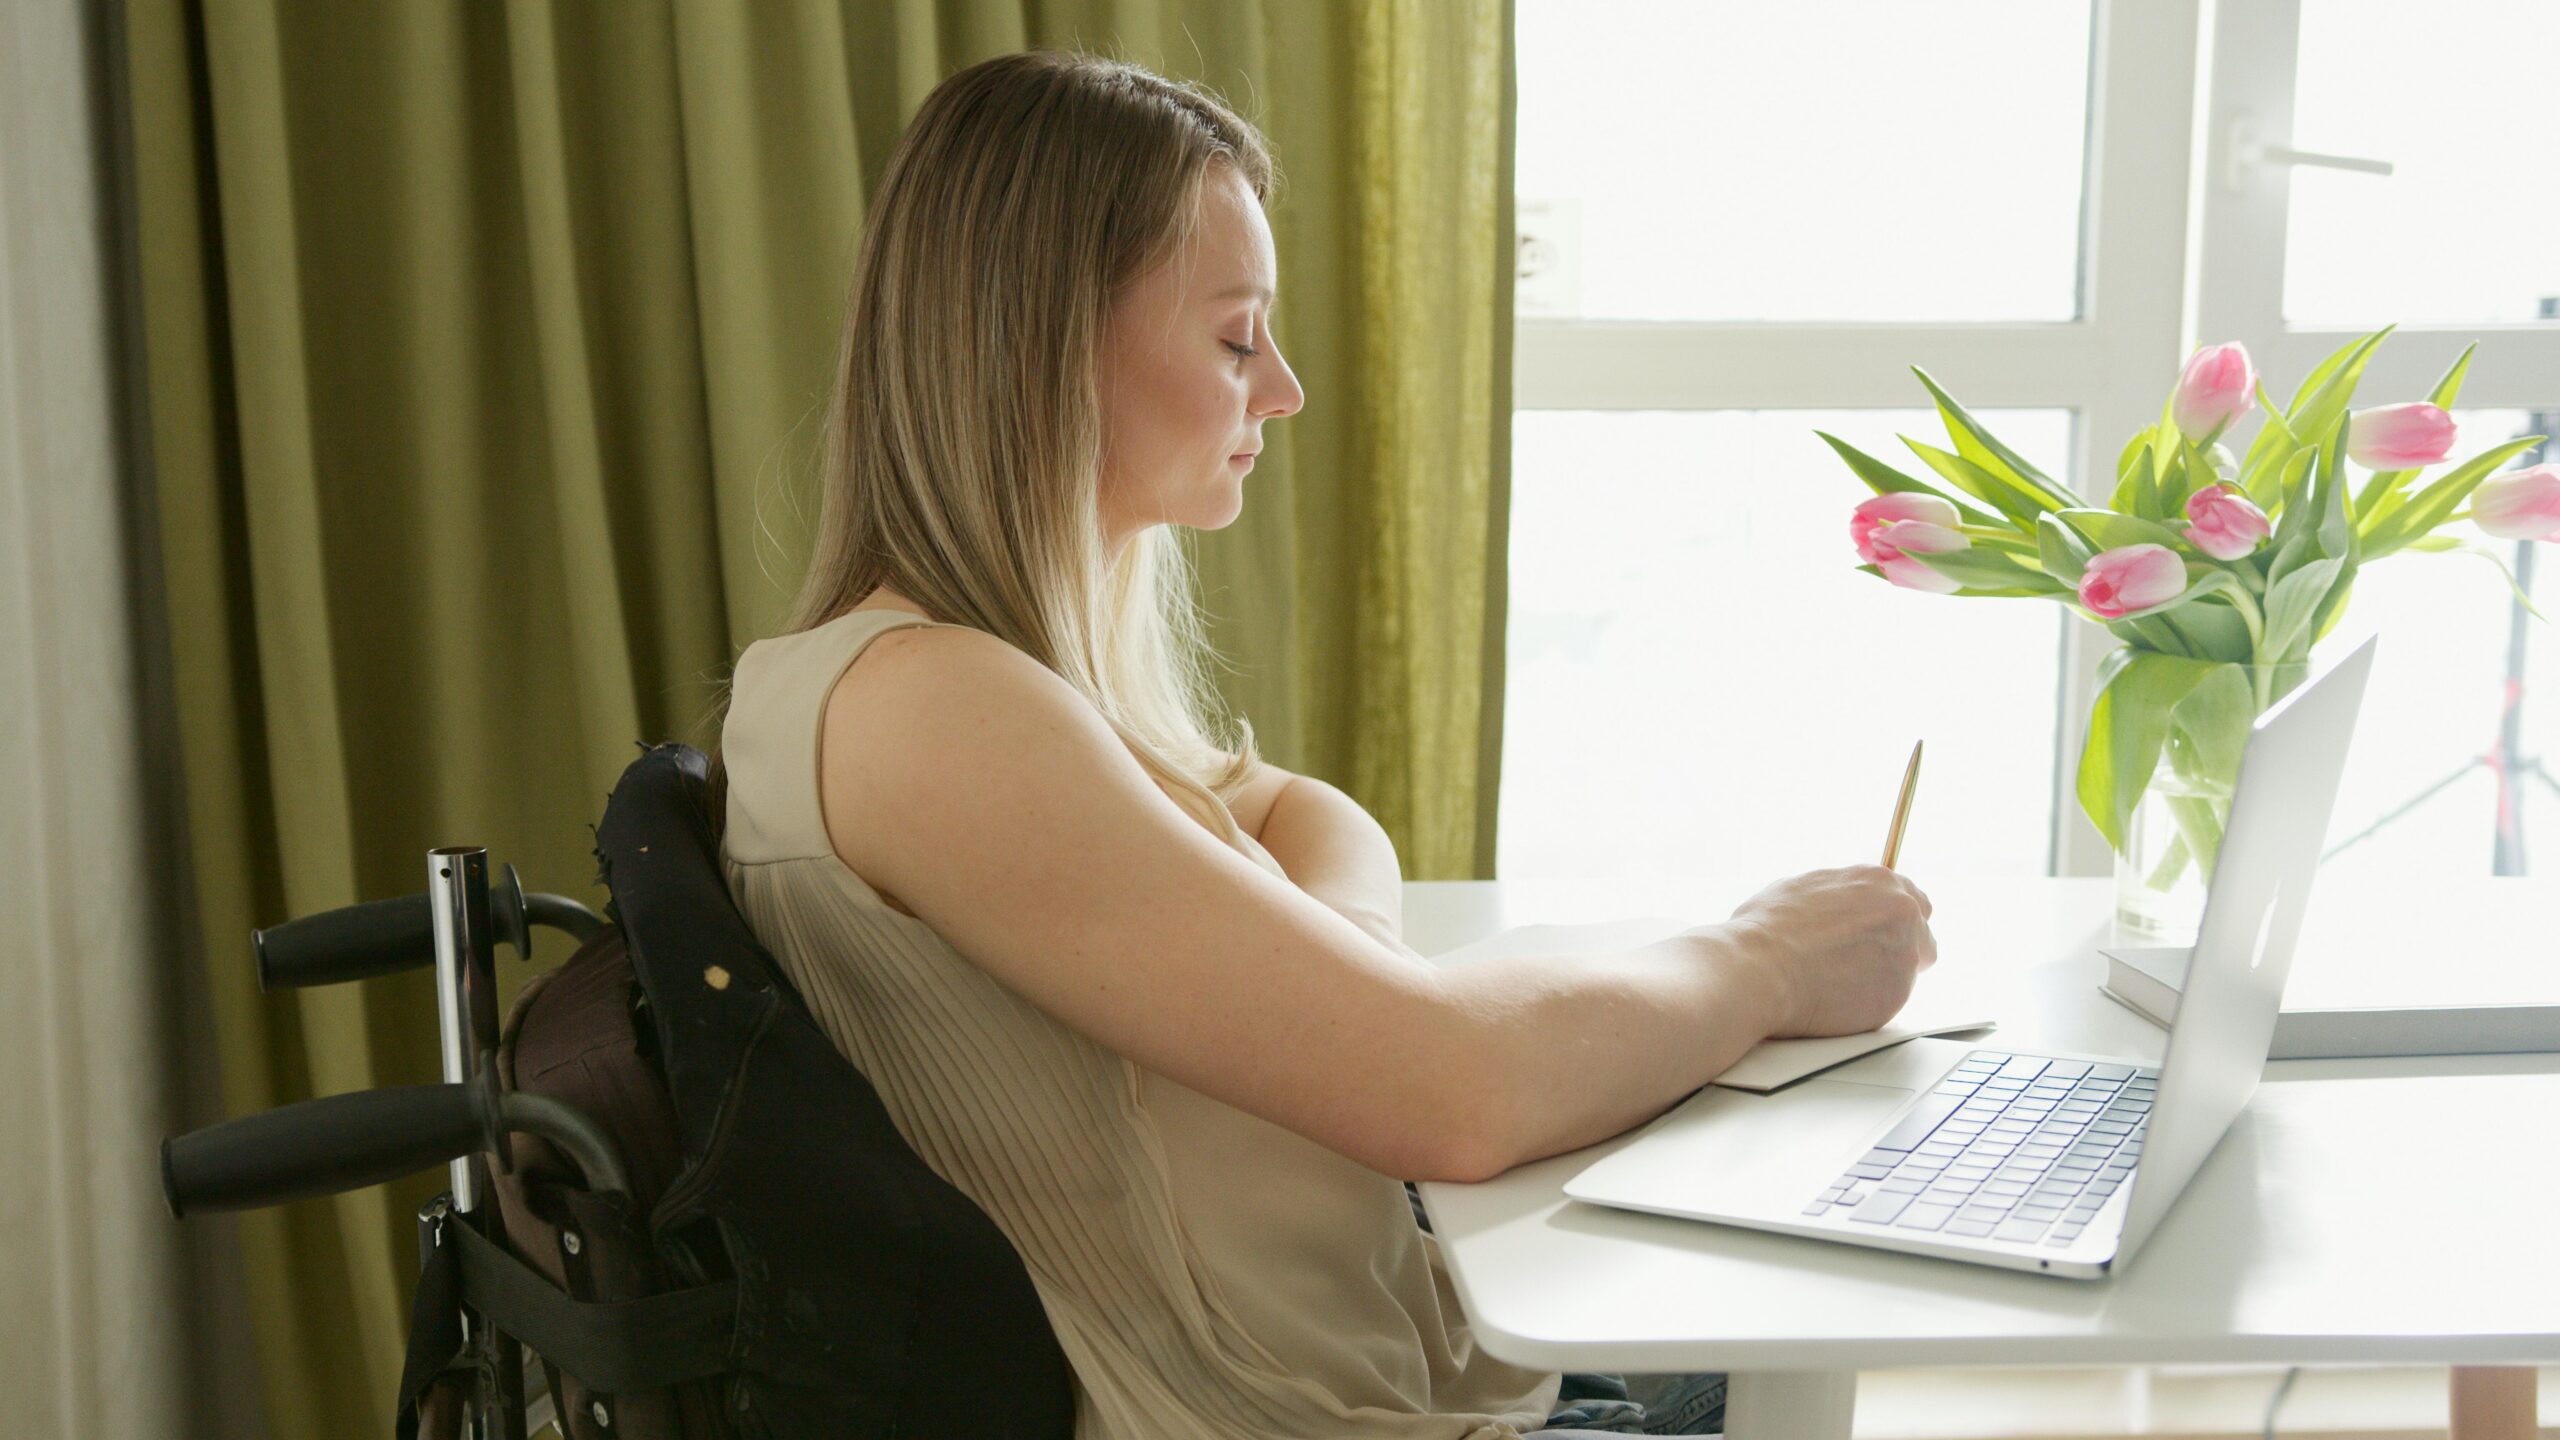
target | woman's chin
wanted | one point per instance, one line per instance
(1226, 503)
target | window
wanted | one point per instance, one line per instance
(1714, 172)
(1708, 687)
(2418, 797)
(1738, 227)
(1743, 223)
(2470, 139)
(2300, 253)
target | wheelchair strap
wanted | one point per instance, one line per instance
(615, 1346)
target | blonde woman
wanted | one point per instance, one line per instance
(1135, 992)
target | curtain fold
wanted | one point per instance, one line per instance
(487, 349)
(117, 1322)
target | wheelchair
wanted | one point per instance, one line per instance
(676, 1211)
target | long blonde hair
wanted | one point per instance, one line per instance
(963, 446)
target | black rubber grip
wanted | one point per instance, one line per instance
(358, 942)
(324, 1146)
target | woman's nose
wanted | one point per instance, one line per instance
(1279, 393)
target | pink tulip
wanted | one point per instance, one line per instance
(1886, 509)
(2399, 437)
(1895, 543)
(2216, 388)
(2131, 577)
(2520, 505)
(2226, 523)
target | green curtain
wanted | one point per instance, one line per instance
(486, 351)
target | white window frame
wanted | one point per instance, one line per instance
(2110, 368)
(2241, 264)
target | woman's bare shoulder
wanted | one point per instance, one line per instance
(938, 675)
(1252, 805)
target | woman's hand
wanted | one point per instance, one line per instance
(1844, 946)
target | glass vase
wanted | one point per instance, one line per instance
(2174, 835)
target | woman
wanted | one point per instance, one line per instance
(1022, 882)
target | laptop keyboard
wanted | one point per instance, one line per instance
(2016, 1147)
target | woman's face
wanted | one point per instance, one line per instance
(1189, 372)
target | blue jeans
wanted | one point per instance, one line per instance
(1629, 1404)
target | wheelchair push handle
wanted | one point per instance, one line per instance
(383, 937)
(347, 1142)
(378, 937)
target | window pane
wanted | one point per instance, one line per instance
(2450, 94)
(1812, 161)
(2432, 708)
(1701, 682)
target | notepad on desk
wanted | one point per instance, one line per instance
(1938, 1009)
(2475, 971)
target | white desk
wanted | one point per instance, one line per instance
(2402, 1212)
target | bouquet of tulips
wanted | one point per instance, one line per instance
(2218, 573)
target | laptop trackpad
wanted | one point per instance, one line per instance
(1730, 1150)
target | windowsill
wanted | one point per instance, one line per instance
(2184, 1400)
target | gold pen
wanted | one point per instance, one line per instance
(1902, 808)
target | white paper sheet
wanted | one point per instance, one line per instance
(1931, 1010)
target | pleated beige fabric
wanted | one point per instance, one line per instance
(1209, 1274)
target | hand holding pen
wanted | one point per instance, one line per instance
(1842, 944)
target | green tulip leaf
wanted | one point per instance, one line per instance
(2329, 496)
(2107, 530)
(2163, 433)
(2442, 543)
(2021, 506)
(2317, 405)
(2209, 728)
(1989, 570)
(2127, 726)
(2288, 556)
(2194, 472)
(2275, 443)
(2007, 542)
(2147, 634)
(2133, 476)
(2333, 606)
(2291, 603)
(1977, 445)
(2214, 629)
(2331, 386)
(1883, 479)
(2292, 514)
(2147, 486)
(2321, 407)
(2133, 448)
(2060, 549)
(2430, 506)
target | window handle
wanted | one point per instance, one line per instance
(2245, 150)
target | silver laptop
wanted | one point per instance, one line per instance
(2033, 1160)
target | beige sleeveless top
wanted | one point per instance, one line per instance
(1208, 1273)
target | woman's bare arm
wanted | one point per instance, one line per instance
(1593, 1045)
(1696, 989)
(1337, 852)
(1026, 834)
